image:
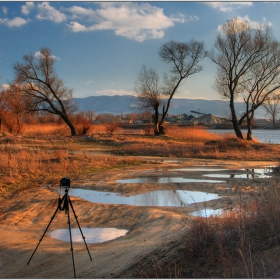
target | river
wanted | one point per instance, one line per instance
(263, 135)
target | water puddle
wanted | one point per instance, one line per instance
(198, 169)
(207, 212)
(165, 180)
(254, 174)
(92, 235)
(176, 198)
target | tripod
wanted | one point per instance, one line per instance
(66, 200)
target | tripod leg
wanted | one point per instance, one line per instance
(43, 234)
(79, 227)
(71, 248)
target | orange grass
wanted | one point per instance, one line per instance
(46, 129)
(192, 134)
(22, 167)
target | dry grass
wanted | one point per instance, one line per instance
(198, 143)
(244, 243)
(30, 163)
(193, 134)
(46, 129)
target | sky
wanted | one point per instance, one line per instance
(100, 46)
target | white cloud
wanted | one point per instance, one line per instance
(38, 55)
(25, 9)
(76, 27)
(112, 92)
(81, 12)
(228, 6)
(15, 22)
(4, 10)
(137, 22)
(47, 12)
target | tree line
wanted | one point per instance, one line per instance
(247, 63)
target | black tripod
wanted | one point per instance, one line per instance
(66, 201)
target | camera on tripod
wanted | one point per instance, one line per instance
(65, 182)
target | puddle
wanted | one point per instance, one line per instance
(207, 212)
(92, 235)
(165, 180)
(254, 174)
(198, 169)
(238, 176)
(260, 172)
(176, 198)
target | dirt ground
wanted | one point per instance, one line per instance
(152, 231)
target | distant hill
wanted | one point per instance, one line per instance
(124, 103)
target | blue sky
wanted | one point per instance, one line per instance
(100, 46)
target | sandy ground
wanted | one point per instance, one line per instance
(151, 229)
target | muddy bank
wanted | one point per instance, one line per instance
(151, 230)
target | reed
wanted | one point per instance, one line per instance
(240, 244)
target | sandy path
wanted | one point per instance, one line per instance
(25, 217)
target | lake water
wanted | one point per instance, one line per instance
(263, 135)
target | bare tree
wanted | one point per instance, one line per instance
(148, 93)
(247, 65)
(40, 82)
(185, 59)
(262, 79)
(272, 105)
(17, 103)
(90, 115)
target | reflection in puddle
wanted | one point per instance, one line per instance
(257, 173)
(207, 212)
(198, 169)
(175, 198)
(92, 235)
(165, 180)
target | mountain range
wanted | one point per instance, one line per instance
(125, 104)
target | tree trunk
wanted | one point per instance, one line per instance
(273, 119)
(249, 126)
(156, 122)
(161, 127)
(234, 121)
(162, 130)
(69, 123)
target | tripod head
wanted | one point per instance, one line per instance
(65, 182)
